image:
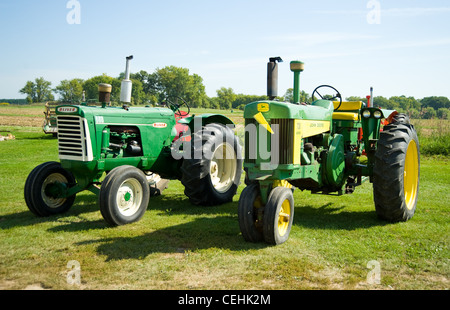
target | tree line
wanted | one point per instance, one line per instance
(170, 81)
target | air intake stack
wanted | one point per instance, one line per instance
(297, 67)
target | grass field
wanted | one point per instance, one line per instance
(335, 242)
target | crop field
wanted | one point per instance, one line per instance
(336, 242)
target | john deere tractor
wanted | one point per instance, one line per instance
(123, 154)
(327, 147)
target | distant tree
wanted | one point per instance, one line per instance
(90, 86)
(38, 91)
(404, 104)
(356, 98)
(149, 92)
(414, 113)
(435, 102)
(289, 96)
(30, 90)
(443, 113)
(428, 113)
(43, 90)
(175, 82)
(70, 90)
(226, 97)
(381, 102)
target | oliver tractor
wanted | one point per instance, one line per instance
(328, 146)
(123, 154)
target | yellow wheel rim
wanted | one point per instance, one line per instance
(411, 175)
(283, 217)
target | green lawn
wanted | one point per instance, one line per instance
(335, 243)
(180, 246)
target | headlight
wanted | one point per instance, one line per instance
(377, 114)
(366, 114)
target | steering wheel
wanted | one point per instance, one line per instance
(338, 95)
(175, 106)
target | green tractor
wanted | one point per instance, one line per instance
(327, 147)
(125, 154)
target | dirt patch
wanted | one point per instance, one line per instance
(9, 285)
(26, 121)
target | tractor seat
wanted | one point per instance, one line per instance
(348, 111)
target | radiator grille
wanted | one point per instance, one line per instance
(284, 132)
(250, 149)
(281, 142)
(73, 138)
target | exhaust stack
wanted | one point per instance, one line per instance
(126, 87)
(272, 77)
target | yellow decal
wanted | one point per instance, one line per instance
(260, 119)
(263, 107)
(312, 128)
(305, 129)
(297, 141)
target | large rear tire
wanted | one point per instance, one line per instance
(124, 196)
(42, 189)
(396, 171)
(212, 175)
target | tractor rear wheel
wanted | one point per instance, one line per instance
(212, 174)
(43, 188)
(248, 208)
(124, 196)
(396, 171)
(278, 215)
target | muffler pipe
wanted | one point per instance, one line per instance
(272, 77)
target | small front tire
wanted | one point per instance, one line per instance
(43, 188)
(124, 196)
(249, 207)
(278, 215)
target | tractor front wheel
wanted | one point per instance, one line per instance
(124, 196)
(396, 172)
(278, 215)
(249, 207)
(44, 189)
(212, 173)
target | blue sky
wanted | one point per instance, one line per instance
(228, 43)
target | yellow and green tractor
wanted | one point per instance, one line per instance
(329, 146)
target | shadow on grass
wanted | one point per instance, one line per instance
(329, 217)
(83, 204)
(221, 232)
(87, 203)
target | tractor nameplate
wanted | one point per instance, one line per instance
(159, 125)
(67, 109)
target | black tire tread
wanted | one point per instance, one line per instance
(270, 229)
(246, 214)
(195, 171)
(388, 170)
(32, 189)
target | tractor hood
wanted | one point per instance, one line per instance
(116, 115)
(318, 110)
